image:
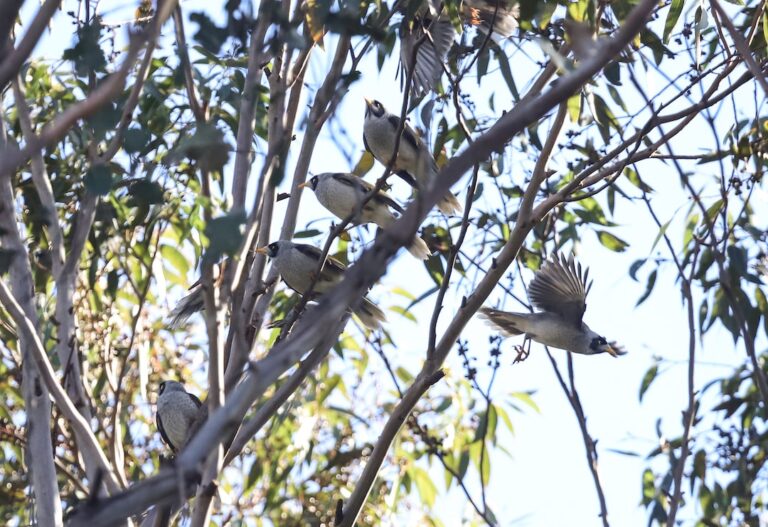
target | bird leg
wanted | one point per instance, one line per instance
(522, 350)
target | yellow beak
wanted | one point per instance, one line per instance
(368, 102)
(610, 350)
(263, 250)
(304, 185)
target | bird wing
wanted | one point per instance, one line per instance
(561, 287)
(332, 265)
(380, 197)
(195, 399)
(427, 64)
(163, 435)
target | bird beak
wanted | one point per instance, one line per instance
(610, 350)
(263, 250)
(304, 185)
(368, 102)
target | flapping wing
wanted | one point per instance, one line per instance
(426, 61)
(561, 287)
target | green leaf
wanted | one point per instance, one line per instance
(99, 180)
(672, 16)
(662, 231)
(649, 487)
(135, 139)
(224, 236)
(525, 398)
(648, 288)
(364, 165)
(425, 486)
(613, 73)
(574, 107)
(648, 378)
(146, 192)
(175, 258)
(309, 233)
(612, 242)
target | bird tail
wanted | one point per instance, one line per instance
(419, 248)
(506, 322)
(187, 306)
(449, 204)
(370, 315)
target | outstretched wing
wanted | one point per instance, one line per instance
(561, 287)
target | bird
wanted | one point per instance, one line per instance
(194, 302)
(342, 193)
(559, 290)
(426, 37)
(297, 264)
(178, 414)
(414, 162)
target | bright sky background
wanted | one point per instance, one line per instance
(546, 480)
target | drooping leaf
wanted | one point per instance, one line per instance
(612, 242)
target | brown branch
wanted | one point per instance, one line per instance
(27, 328)
(13, 158)
(12, 62)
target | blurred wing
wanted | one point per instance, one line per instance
(433, 38)
(560, 287)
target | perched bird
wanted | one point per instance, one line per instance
(342, 193)
(297, 264)
(559, 290)
(414, 162)
(178, 414)
(427, 36)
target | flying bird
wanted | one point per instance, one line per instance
(342, 193)
(427, 36)
(559, 290)
(297, 264)
(414, 162)
(178, 415)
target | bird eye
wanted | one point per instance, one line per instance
(314, 181)
(272, 248)
(162, 387)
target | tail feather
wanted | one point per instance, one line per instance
(449, 204)
(370, 315)
(505, 321)
(187, 306)
(419, 248)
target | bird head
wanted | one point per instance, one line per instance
(600, 345)
(270, 250)
(312, 183)
(375, 108)
(170, 386)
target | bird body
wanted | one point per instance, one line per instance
(177, 412)
(297, 264)
(414, 162)
(559, 290)
(341, 193)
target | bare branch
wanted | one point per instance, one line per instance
(12, 62)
